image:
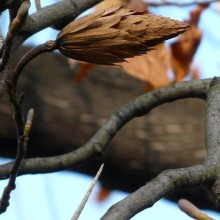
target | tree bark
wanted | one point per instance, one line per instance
(67, 114)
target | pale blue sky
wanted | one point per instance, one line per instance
(56, 196)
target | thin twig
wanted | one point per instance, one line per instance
(86, 197)
(38, 4)
(13, 29)
(49, 46)
(192, 211)
(22, 137)
(180, 4)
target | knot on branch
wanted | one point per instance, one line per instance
(214, 81)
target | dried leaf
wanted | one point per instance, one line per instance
(103, 194)
(185, 47)
(83, 71)
(196, 13)
(109, 37)
(152, 68)
(183, 51)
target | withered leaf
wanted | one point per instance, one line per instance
(184, 49)
(151, 68)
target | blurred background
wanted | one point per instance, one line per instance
(56, 196)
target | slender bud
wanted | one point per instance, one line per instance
(109, 37)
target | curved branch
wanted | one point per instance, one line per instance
(161, 186)
(138, 107)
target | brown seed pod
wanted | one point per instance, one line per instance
(109, 37)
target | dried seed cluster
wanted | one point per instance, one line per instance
(109, 37)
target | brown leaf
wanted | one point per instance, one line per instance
(183, 51)
(152, 68)
(83, 71)
(103, 194)
(185, 47)
(196, 13)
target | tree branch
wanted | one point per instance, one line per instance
(161, 186)
(13, 29)
(59, 13)
(212, 123)
(48, 46)
(22, 140)
(138, 107)
(213, 133)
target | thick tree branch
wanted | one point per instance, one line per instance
(213, 133)
(165, 183)
(97, 143)
(212, 123)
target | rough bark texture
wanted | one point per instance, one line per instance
(68, 114)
